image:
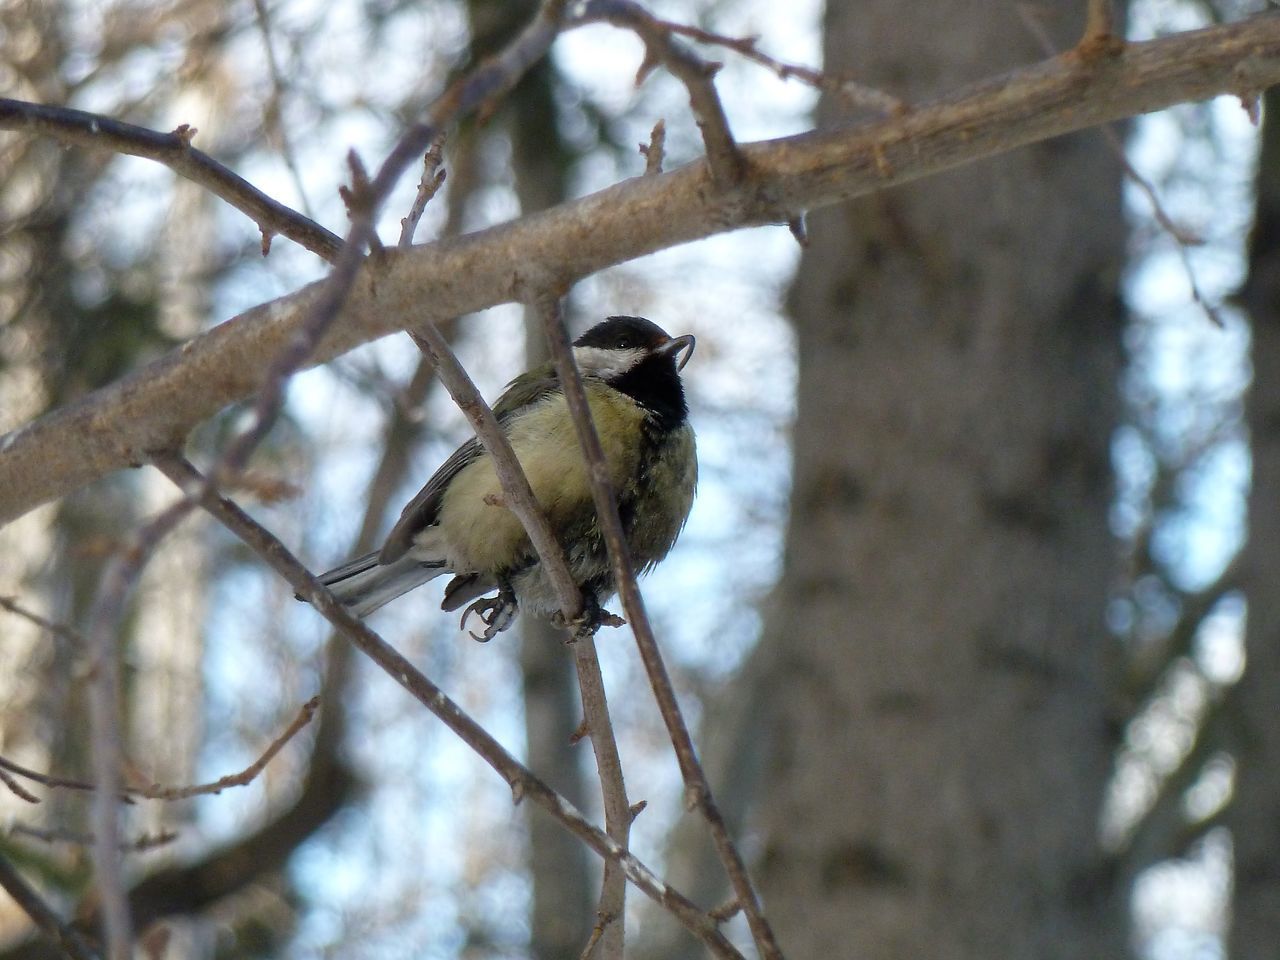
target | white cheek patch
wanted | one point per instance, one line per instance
(606, 364)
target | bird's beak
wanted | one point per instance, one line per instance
(676, 345)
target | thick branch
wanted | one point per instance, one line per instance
(158, 405)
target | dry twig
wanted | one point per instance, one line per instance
(523, 783)
(698, 76)
(42, 915)
(158, 791)
(698, 790)
(147, 841)
(433, 175)
(519, 499)
(174, 150)
(848, 89)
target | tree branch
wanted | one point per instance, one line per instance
(156, 407)
(518, 497)
(42, 915)
(697, 789)
(523, 783)
(724, 160)
(175, 151)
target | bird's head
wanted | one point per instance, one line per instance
(619, 346)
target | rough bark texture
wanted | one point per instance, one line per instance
(1255, 813)
(939, 746)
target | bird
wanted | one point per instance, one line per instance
(457, 525)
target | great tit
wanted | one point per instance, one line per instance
(457, 524)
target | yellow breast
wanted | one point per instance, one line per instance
(480, 534)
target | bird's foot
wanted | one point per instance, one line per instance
(591, 619)
(496, 613)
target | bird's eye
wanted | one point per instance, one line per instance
(623, 343)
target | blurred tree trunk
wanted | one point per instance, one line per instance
(1255, 813)
(939, 740)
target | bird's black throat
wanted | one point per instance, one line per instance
(654, 383)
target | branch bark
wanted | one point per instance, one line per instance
(158, 405)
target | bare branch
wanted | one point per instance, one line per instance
(517, 494)
(275, 111)
(140, 844)
(850, 90)
(654, 152)
(523, 783)
(159, 792)
(617, 809)
(1098, 33)
(42, 915)
(724, 159)
(698, 790)
(174, 150)
(105, 736)
(1099, 38)
(155, 407)
(433, 175)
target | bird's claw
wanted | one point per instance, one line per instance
(591, 619)
(496, 613)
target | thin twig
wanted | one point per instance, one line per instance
(275, 110)
(851, 90)
(617, 808)
(245, 776)
(1099, 19)
(48, 780)
(1099, 37)
(697, 789)
(724, 158)
(18, 789)
(517, 494)
(140, 844)
(523, 783)
(105, 737)
(174, 150)
(62, 631)
(655, 150)
(433, 175)
(159, 792)
(42, 915)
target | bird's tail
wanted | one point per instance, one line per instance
(363, 584)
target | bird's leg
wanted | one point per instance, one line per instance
(496, 613)
(593, 617)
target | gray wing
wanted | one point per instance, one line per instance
(420, 512)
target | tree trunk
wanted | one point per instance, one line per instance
(939, 740)
(1255, 813)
